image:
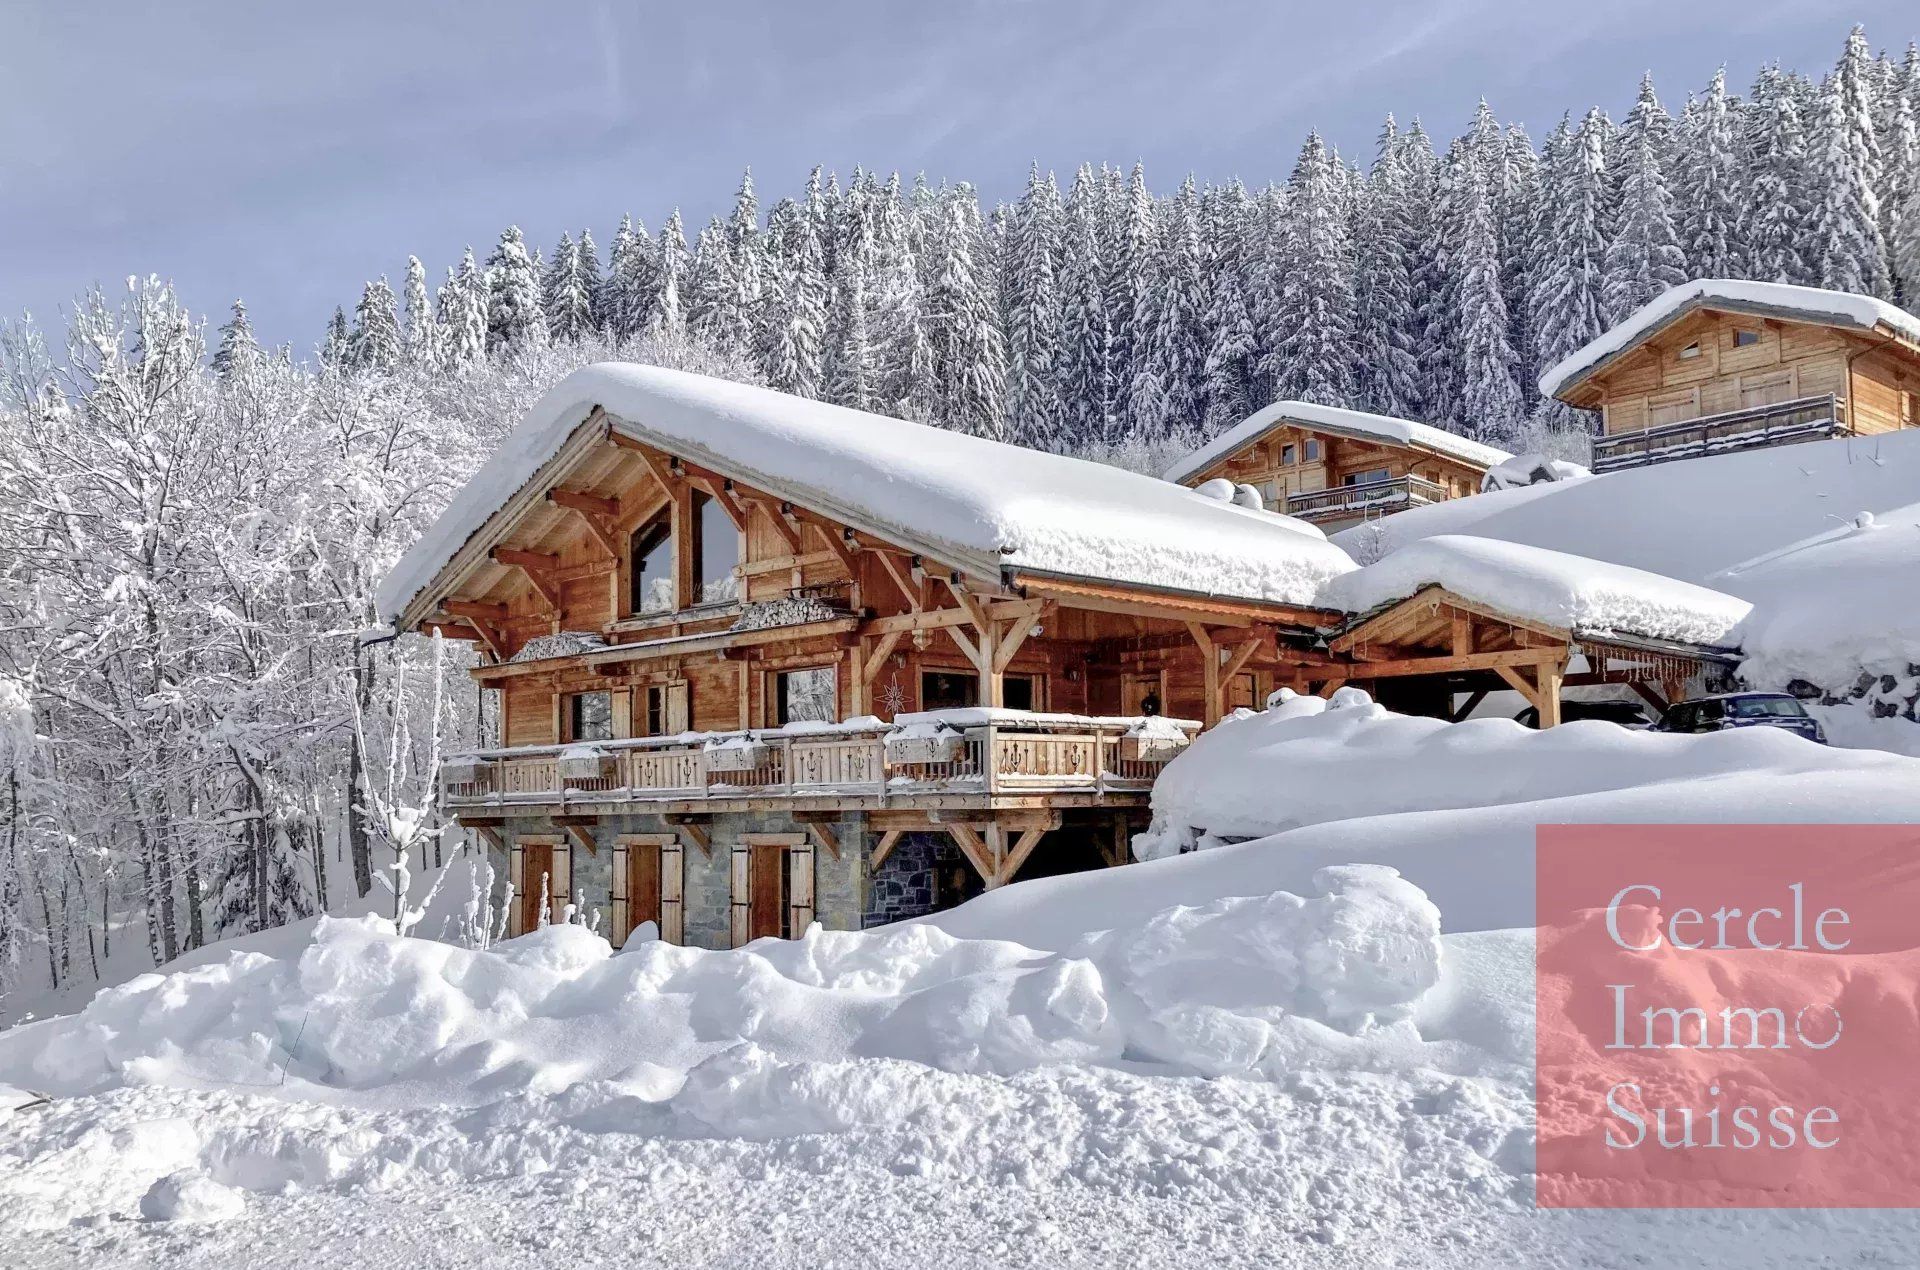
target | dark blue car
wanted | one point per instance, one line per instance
(1742, 710)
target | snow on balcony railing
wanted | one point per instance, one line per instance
(1366, 496)
(1785, 422)
(970, 750)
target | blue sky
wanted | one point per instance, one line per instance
(288, 153)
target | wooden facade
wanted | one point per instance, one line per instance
(1716, 378)
(1336, 479)
(707, 695)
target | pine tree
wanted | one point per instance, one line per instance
(1567, 296)
(333, 352)
(1709, 177)
(969, 358)
(375, 343)
(1168, 386)
(1033, 312)
(854, 362)
(1902, 166)
(1083, 383)
(1130, 236)
(592, 284)
(513, 294)
(1772, 206)
(628, 293)
(1384, 312)
(795, 294)
(1517, 225)
(1491, 401)
(463, 313)
(1228, 377)
(1312, 361)
(664, 313)
(1846, 167)
(237, 347)
(1643, 257)
(901, 248)
(423, 334)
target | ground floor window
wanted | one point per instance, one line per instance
(807, 696)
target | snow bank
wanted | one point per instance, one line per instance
(1765, 299)
(1690, 519)
(1572, 592)
(972, 502)
(1327, 977)
(1532, 468)
(1273, 797)
(1835, 605)
(1357, 424)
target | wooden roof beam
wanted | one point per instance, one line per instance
(538, 568)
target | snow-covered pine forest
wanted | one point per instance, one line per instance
(192, 525)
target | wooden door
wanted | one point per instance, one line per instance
(539, 869)
(647, 883)
(767, 897)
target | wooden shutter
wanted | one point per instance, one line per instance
(517, 879)
(742, 892)
(622, 713)
(561, 885)
(799, 889)
(622, 925)
(678, 714)
(672, 885)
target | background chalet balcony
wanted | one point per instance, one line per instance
(965, 751)
(1785, 422)
(1368, 498)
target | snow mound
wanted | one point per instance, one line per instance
(1527, 469)
(366, 1017)
(1834, 605)
(191, 1196)
(978, 504)
(1571, 592)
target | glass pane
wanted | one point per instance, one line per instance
(948, 690)
(653, 566)
(1016, 692)
(1766, 707)
(719, 552)
(807, 696)
(593, 716)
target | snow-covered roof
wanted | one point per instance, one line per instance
(1355, 424)
(1762, 299)
(976, 504)
(1572, 593)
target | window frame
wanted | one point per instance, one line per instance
(699, 505)
(777, 698)
(571, 717)
(662, 522)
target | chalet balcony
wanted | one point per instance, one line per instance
(970, 753)
(1364, 500)
(1782, 423)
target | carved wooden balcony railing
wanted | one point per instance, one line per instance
(997, 752)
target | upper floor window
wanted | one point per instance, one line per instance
(1367, 477)
(590, 716)
(1744, 339)
(653, 565)
(716, 551)
(1288, 454)
(807, 696)
(1690, 352)
(1313, 451)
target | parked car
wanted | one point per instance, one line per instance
(1742, 710)
(1628, 714)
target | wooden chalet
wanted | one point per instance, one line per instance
(760, 661)
(1337, 468)
(1717, 366)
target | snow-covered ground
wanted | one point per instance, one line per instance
(1273, 1051)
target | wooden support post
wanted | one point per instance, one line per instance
(971, 847)
(1209, 673)
(1650, 696)
(538, 569)
(994, 835)
(1473, 701)
(494, 837)
(1462, 633)
(1548, 674)
(582, 835)
(599, 515)
(694, 830)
